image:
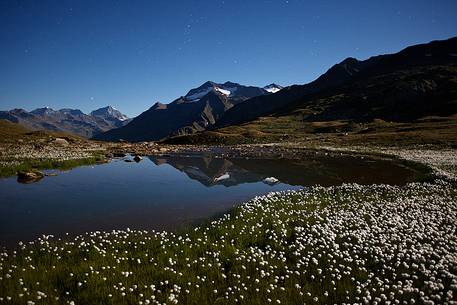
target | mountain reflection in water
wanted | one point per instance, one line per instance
(315, 170)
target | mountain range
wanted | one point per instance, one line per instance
(198, 110)
(68, 120)
(419, 81)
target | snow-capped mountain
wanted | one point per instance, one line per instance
(109, 113)
(273, 88)
(229, 89)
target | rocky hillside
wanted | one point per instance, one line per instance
(67, 120)
(199, 109)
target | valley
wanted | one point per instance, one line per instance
(342, 190)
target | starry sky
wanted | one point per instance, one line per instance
(130, 54)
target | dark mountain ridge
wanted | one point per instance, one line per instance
(420, 63)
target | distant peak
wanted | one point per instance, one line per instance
(44, 108)
(273, 88)
(208, 83)
(19, 110)
(231, 84)
(109, 112)
(43, 111)
(199, 92)
(109, 107)
(273, 85)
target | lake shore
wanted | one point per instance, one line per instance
(47, 154)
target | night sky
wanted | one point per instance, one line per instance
(130, 54)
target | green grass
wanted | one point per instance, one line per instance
(40, 164)
(252, 255)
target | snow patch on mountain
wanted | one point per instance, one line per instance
(223, 91)
(272, 88)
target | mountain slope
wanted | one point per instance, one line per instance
(350, 71)
(388, 92)
(197, 110)
(67, 120)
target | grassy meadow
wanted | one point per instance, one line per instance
(373, 244)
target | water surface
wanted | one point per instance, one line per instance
(167, 192)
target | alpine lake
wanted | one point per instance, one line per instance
(169, 192)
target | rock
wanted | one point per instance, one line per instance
(137, 158)
(128, 160)
(271, 180)
(29, 176)
(60, 141)
(222, 177)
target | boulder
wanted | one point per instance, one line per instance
(137, 158)
(271, 180)
(60, 141)
(29, 176)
